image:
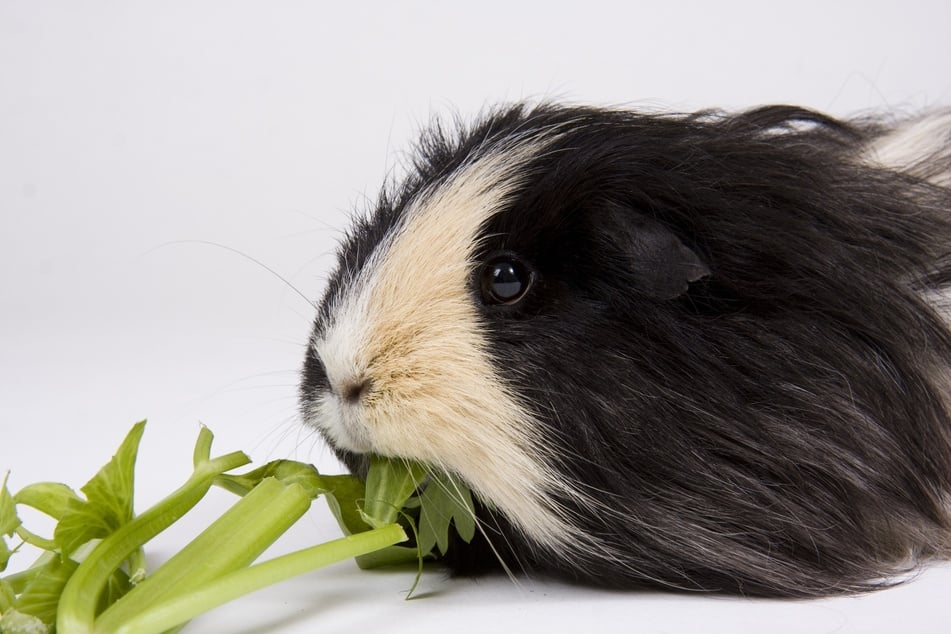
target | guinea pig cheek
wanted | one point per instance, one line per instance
(437, 399)
(433, 398)
(432, 394)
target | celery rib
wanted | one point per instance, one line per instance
(90, 578)
(79, 599)
(232, 541)
(240, 582)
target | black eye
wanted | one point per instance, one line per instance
(505, 280)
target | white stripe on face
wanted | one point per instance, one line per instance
(408, 329)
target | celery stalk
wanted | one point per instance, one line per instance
(184, 607)
(78, 603)
(90, 578)
(232, 541)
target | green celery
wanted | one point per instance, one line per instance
(79, 601)
(240, 582)
(41, 595)
(86, 577)
(9, 522)
(52, 498)
(108, 503)
(389, 484)
(233, 541)
(444, 499)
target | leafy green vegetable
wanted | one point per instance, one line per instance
(245, 580)
(287, 471)
(108, 502)
(77, 607)
(90, 577)
(7, 597)
(41, 595)
(234, 541)
(9, 522)
(389, 484)
(52, 498)
(445, 500)
(344, 494)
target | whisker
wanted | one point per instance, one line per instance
(244, 255)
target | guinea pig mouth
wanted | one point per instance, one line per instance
(340, 422)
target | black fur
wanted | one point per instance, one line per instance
(727, 342)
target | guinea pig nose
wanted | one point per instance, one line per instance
(352, 391)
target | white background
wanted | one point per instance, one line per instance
(137, 136)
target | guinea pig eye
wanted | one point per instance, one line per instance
(505, 280)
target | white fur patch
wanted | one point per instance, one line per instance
(407, 324)
(920, 147)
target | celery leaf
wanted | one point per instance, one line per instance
(41, 596)
(389, 484)
(444, 500)
(9, 522)
(344, 493)
(8, 597)
(52, 498)
(108, 502)
(287, 471)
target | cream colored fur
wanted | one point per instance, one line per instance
(409, 325)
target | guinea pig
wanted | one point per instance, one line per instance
(702, 351)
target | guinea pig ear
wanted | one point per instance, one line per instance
(659, 264)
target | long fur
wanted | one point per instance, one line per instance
(732, 369)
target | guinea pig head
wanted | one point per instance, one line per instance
(401, 359)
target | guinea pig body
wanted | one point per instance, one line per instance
(703, 352)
